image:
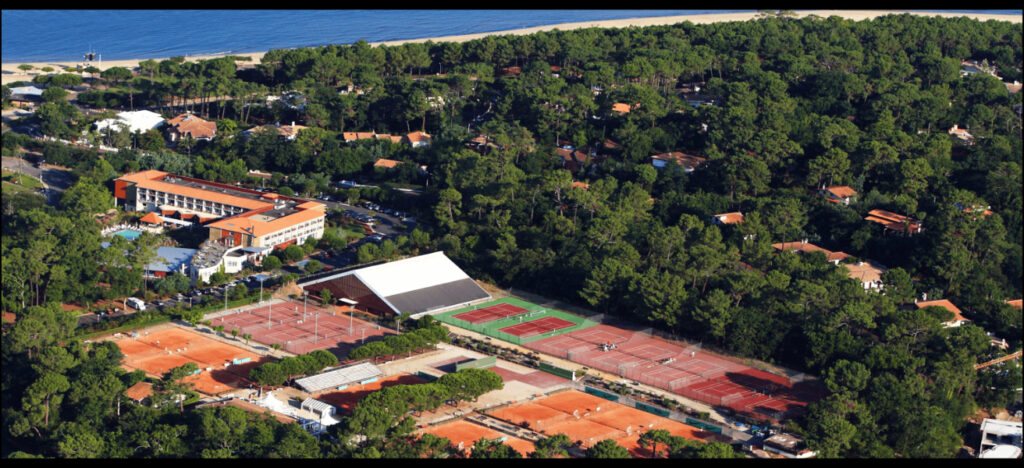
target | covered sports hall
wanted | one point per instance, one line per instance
(423, 284)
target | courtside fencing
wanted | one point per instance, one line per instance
(563, 373)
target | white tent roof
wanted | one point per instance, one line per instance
(27, 90)
(410, 274)
(135, 121)
(317, 406)
(339, 377)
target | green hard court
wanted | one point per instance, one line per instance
(534, 312)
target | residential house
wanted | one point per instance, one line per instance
(869, 274)
(289, 132)
(572, 159)
(385, 136)
(191, 126)
(1000, 439)
(895, 222)
(970, 67)
(839, 194)
(1013, 88)
(728, 218)
(958, 318)
(353, 136)
(1015, 303)
(388, 164)
(688, 162)
(962, 134)
(804, 247)
(139, 392)
(621, 108)
(418, 139)
(581, 185)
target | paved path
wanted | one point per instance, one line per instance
(54, 180)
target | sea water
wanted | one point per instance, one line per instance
(66, 35)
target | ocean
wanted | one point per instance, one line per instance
(65, 35)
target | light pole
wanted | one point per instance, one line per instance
(261, 289)
(305, 294)
(225, 298)
(270, 311)
(316, 326)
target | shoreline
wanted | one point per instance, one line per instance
(11, 73)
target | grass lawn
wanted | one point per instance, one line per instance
(24, 181)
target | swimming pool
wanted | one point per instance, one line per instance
(128, 234)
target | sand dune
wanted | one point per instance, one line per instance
(11, 72)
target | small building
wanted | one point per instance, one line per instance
(320, 408)
(895, 222)
(388, 164)
(621, 108)
(1016, 303)
(688, 162)
(839, 194)
(289, 132)
(137, 121)
(962, 134)
(572, 159)
(869, 274)
(349, 137)
(1000, 439)
(788, 446)
(804, 247)
(26, 96)
(728, 218)
(418, 139)
(191, 126)
(139, 392)
(958, 318)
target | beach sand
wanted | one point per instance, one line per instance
(11, 73)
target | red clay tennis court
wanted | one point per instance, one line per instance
(158, 350)
(490, 313)
(536, 327)
(300, 328)
(463, 434)
(590, 419)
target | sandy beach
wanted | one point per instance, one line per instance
(11, 73)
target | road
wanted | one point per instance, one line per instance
(54, 180)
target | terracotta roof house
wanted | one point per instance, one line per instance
(1014, 87)
(1015, 303)
(139, 392)
(572, 159)
(803, 247)
(895, 222)
(961, 133)
(958, 318)
(621, 108)
(353, 136)
(289, 132)
(387, 163)
(417, 139)
(839, 194)
(191, 126)
(869, 274)
(689, 162)
(581, 185)
(728, 218)
(983, 210)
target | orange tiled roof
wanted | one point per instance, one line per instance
(690, 161)
(387, 163)
(201, 194)
(864, 272)
(140, 176)
(582, 185)
(800, 247)
(189, 124)
(416, 137)
(151, 218)
(730, 218)
(357, 135)
(893, 221)
(283, 130)
(1016, 303)
(621, 108)
(946, 305)
(9, 317)
(139, 391)
(841, 191)
(246, 224)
